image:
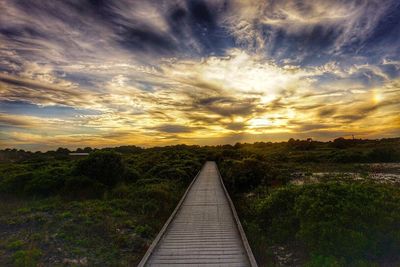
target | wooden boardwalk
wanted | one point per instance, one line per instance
(204, 229)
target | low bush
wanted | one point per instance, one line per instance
(244, 175)
(82, 187)
(104, 167)
(384, 154)
(27, 258)
(347, 222)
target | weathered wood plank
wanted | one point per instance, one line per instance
(204, 229)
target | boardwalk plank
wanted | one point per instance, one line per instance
(203, 231)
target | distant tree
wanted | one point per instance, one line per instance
(238, 145)
(62, 150)
(346, 143)
(128, 149)
(301, 144)
(87, 149)
(340, 143)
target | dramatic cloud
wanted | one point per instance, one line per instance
(76, 73)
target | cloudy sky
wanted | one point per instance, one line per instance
(78, 73)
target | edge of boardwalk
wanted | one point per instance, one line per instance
(243, 237)
(245, 242)
(153, 245)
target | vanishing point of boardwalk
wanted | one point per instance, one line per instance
(203, 230)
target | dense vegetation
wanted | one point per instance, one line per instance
(333, 224)
(330, 222)
(101, 210)
(105, 208)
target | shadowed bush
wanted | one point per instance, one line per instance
(102, 166)
(349, 222)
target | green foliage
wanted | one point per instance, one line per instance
(40, 182)
(342, 143)
(27, 258)
(102, 166)
(143, 230)
(384, 154)
(109, 205)
(83, 187)
(345, 221)
(131, 174)
(276, 212)
(345, 156)
(17, 244)
(325, 261)
(45, 183)
(15, 183)
(244, 175)
(106, 206)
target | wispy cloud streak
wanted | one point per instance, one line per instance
(186, 71)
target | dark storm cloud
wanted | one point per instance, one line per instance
(201, 118)
(34, 85)
(212, 36)
(226, 106)
(146, 40)
(311, 32)
(326, 111)
(19, 89)
(350, 117)
(386, 35)
(290, 30)
(174, 128)
(312, 44)
(314, 126)
(236, 126)
(363, 111)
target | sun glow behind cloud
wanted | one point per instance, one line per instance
(196, 72)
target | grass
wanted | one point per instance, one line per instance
(57, 211)
(102, 231)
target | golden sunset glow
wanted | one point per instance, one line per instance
(231, 79)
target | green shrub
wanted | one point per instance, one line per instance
(350, 221)
(323, 261)
(244, 175)
(121, 191)
(144, 231)
(17, 244)
(16, 183)
(384, 154)
(345, 156)
(83, 187)
(27, 258)
(131, 175)
(44, 184)
(102, 166)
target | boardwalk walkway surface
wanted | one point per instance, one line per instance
(203, 230)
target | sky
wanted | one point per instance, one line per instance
(76, 73)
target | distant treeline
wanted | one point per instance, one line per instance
(340, 150)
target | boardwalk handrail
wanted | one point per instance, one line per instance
(246, 245)
(153, 245)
